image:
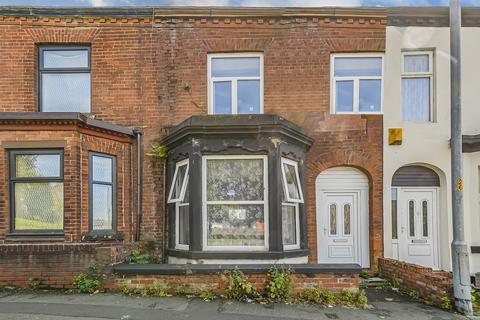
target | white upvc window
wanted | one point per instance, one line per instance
(356, 83)
(179, 195)
(292, 196)
(417, 86)
(235, 202)
(235, 83)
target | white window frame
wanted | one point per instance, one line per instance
(179, 204)
(205, 245)
(185, 179)
(284, 180)
(356, 83)
(414, 75)
(234, 80)
(296, 245)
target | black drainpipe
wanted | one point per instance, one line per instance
(138, 135)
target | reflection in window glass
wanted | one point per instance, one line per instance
(222, 97)
(235, 179)
(248, 95)
(344, 96)
(358, 66)
(425, 217)
(291, 181)
(236, 67)
(346, 219)
(333, 219)
(411, 217)
(179, 182)
(183, 224)
(37, 165)
(370, 95)
(102, 207)
(65, 59)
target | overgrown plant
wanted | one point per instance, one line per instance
(208, 295)
(156, 289)
(158, 151)
(346, 297)
(89, 282)
(239, 288)
(446, 303)
(138, 257)
(34, 283)
(279, 285)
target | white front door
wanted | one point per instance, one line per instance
(418, 226)
(338, 236)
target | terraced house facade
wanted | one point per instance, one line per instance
(209, 137)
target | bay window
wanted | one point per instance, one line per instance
(36, 186)
(356, 83)
(417, 86)
(235, 83)
(235, 193)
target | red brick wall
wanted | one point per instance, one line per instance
(54, 265)
(430, 285)
(218, 282)
(139, 67)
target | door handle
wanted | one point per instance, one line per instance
(402, 229)
(324, 230)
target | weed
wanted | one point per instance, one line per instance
(239, 288)
(137, 257)
(446, 304)
(365, 275)
(34, 283)
(279, 285)
(326, 297)
(158, 151)
(413, 295)
(208, 295)
(86, 284)
(156, 290)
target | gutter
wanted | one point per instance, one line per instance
(138, 135)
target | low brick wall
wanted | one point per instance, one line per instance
(54, 265)
(430, 285)
(195, 283)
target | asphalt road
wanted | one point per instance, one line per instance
(58, 306)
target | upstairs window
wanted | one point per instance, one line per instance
(64, 79)
(417, 86)
(356, 84)
(235, 83)
(36, 186)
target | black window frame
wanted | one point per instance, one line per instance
(91, 182)
(13, 180)
(42, 70)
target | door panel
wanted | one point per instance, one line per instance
(417, 239)
(337, 235)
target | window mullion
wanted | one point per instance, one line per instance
(356, 95)
(234, 96)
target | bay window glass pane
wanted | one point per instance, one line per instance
(235, 179)
(38, 206)
(416, 99)
(65, 59)
(183, 224)
(65, 92)
(358, 67)
(344, 96)
(37, 165)
(236, 67)
(176, 189)
(292, 187)
(102, 169)
(222, 97)
(248, 95)
(416, 63)
(370, 95)
(102, 207)
(235, 225)
(289, 225)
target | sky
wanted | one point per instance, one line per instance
(235, 3)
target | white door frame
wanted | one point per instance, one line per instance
(345, 181)
(403, 220)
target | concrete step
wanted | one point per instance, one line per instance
(373, 282)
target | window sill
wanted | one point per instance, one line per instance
(258, 255)
(35, 237)
(103, 236)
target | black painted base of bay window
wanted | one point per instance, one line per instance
(236, 189)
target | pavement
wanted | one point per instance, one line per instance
(40, 305)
